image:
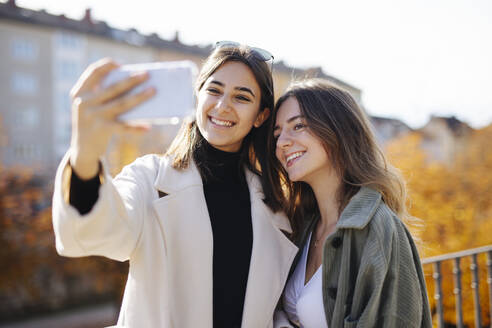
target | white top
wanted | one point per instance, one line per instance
(304, 303)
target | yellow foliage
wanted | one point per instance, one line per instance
(455, 204)
(33, 277)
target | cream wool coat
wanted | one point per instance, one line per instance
(156, 217)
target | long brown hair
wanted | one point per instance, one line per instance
(336, 119)
(189, 142)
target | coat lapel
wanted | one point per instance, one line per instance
(185, 225)
(271, 258)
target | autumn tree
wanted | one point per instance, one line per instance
(454, 202)
(33, 277)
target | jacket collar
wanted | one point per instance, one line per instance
(170, 180)
(257, 195)
(360, 209)
(356, 215)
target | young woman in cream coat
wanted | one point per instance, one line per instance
(162, 212)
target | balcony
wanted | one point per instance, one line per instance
(474, 256)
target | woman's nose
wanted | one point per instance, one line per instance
(223, 104)
(283, 141)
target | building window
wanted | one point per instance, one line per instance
(95, 56)
(27, 152)
(28, 117)
(64, 103)
(69, 41)
(24, 83)
(23, 49)
(69, 70)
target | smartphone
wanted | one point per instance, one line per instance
(173, 82)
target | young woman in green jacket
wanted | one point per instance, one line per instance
(357, 264)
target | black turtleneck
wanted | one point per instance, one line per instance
(227, 197)
(229, 207)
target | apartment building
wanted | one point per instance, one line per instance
(44, 54)
(444, 138)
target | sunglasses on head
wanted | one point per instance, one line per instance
(259, 53)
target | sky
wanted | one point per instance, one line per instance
(411, 58)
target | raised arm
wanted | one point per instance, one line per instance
(95, 111)
(109, 223)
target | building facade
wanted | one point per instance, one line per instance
(44, 56)
(444, 138)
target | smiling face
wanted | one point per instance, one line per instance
(299, 151)
(228, 106)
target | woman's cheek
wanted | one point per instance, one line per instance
(278, 155)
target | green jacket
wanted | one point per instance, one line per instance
(372, 275)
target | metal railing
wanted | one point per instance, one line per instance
(457, 273)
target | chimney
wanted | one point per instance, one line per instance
(11, 3)
(88, 16)
(176, 37)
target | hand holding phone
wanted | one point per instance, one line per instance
(173, 82)
(95, 112)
